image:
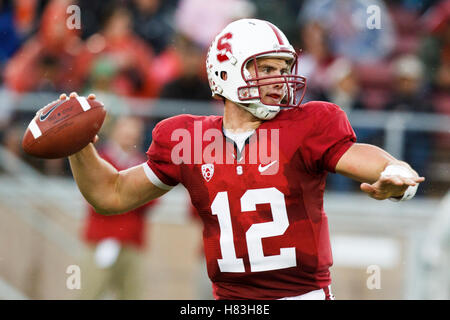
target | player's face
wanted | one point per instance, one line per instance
(270, 67)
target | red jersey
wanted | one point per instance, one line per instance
(265, 231)
(128, 228)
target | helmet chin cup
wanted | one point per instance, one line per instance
(261, 111)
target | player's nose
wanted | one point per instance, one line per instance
(278, 82)
(279, 77)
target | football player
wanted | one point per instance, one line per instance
(265, 231)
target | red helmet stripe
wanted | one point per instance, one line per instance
(277, 33)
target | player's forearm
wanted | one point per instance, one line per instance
(95, 177)
(365, 163)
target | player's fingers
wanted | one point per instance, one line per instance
(367, 188)
(395, 180)
(63, 96)
(371, 191)
(91, 96)
(400, 181)
(73, 94)
(385, 179)
(409, 181)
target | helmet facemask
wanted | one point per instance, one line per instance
(292, 84)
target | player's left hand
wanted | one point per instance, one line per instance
(390, 186)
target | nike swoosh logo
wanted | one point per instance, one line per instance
(267, 166)
(45, 116)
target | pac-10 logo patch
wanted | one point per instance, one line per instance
(223, 46)
(207, 171)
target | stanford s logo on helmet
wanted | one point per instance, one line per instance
(241, 43)
(224, 47)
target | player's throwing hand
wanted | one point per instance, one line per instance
(394, 182)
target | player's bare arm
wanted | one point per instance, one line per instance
(365, 163)
(110, 191)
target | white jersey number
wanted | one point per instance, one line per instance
(258, 261)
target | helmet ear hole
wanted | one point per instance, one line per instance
(223, 75)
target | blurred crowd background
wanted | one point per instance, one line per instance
(155, 49)
(386, 63)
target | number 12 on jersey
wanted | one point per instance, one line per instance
(258, 261)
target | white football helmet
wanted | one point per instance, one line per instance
(241, 43)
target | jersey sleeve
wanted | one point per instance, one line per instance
(331, 138)
(159, 167)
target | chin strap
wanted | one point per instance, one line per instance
(261, 111)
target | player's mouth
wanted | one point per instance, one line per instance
(273, 98)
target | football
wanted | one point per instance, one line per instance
(63, 127)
